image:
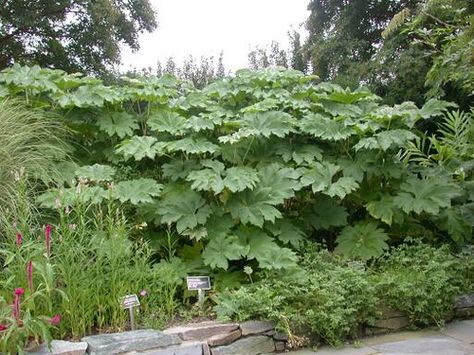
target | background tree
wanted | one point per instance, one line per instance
(72, 35)
(345, 35)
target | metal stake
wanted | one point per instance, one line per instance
(132, 318)
(200, 296)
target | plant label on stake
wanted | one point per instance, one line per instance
(129, 302)
(199, 283)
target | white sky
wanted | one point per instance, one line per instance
(207, 27)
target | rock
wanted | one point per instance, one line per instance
(280, 346)
(61, 347)
(246, 346)
(201, 331)
(256, 327)
(464, 312)
(185, 348)
(280, 336)
(392, 323)
(224, 339)
(137, 340)
(464, 301)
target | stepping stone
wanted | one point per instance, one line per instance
(186, 348)
(137, 340)
(201, 331)
(462, 330)
(429, 345)
(224, 339)
(256, 327)
(254, 345)
(346, 350)
(61, 347)
(464, 301)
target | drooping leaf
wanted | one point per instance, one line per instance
(192, 145)
(186, 208)
(208, 179)
(453, 222)
(324, 127)
(253, 207)
(167, 121)
(363, 241)
(140, 147)
(287, 232)
(383, 209)
(220, 250)
(96, 172)
(239, 178)
(122, 124)
(179, 169)
(396, 138)
(434, 107)
(327, 213)
(280, 182)
(137, 191)
(268, 123)
(425, 195)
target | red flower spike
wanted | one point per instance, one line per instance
(19, 240)
(19, 291)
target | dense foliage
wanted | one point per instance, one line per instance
(250, 167)
(328, 299)
(71, 35)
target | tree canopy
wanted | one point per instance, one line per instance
(73, 35)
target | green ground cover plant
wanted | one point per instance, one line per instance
(328, 299)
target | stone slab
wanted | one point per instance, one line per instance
(345, 350)
(393, 337)
(461, 330)
(185, 348)
(253, 345)
(201, 331)
(464, 301)
(429, 345)
(61, 347)
(137, 340)
(256, 327)
(224, 339)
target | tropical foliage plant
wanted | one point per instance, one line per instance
(246, 169)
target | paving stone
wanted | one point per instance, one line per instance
(137, 340)
(61, 347)
(429, 345)
(346, 350)
(464, 301)
(224, 339)
(201, 331)
(256, 327)
(461, 330)
(185, 348)
(253, 345)
(280, 346)
(393, 337)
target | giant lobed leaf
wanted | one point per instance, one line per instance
(140, 147)
(327, 213)
(122, 124)
(96, 172)
(362, 241)
(137, 191)
(239, 178)
(324, 127)
(167, 121)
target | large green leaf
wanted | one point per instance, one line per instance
(383, 209)
(179, 169)
(287, 232)
(324, 127)
(192, 145)
(167, 121)
(186, 208)
(253, 207)
(122, 124)
(96, 172)
(220, 250)
(239, 178)
(362, 241)
(327, 213)
(397, 138)
(140, 147)
(280, 182)
(208, 179)
(137, 191)
(425, 195)
(321, 175)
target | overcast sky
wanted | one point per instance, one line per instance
(207, 27)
